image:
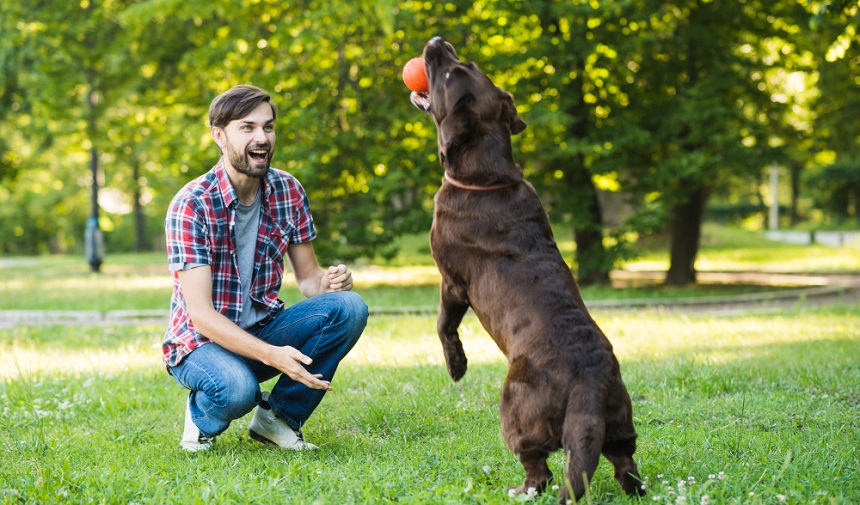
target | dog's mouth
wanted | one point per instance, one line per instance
(438, 56)
(421, 100)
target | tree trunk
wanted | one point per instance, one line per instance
(795, 172)
(140, 242)
(588, 227)
(685, 230)
(582, 196)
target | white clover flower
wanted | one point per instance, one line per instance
(486, 469)
(681, 500)
(711, 476)
(721, 475)
(531, 492)
(512, 492)
(752, 493)
(691, 480)
(706, 500)
(781, 498)
(681, 486)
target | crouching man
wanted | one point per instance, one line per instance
(228, 233)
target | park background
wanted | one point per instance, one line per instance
(655, 131)
(645, 117)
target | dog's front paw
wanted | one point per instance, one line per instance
(456, 366)
(455, 358)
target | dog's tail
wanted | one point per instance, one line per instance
(582, 437)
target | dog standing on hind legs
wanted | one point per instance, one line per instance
(494, 247)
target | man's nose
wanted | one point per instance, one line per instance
(261, 136)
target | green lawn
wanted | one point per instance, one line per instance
(142, 282)
(745, 409)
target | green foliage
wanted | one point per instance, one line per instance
(650, 100)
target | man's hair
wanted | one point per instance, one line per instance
(236, 103)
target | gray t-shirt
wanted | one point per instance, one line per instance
(245, 229)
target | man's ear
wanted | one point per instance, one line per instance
(219, 137)
(509, 114)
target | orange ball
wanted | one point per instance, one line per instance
(415, 76)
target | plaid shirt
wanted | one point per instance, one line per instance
(199, 229)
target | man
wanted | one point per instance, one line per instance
(228, 232)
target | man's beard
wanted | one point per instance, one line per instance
(243, 164)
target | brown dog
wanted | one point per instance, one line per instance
(492, 242)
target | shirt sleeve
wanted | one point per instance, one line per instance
(304, 231)
(187, 235)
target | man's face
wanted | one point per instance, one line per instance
(248, 143)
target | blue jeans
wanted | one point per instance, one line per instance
(225, 386)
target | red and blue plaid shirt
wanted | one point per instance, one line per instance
(199, 230)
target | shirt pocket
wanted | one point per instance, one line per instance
(278, 242)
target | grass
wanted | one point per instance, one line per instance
(744, 409)
(141, 281)
(733, 249)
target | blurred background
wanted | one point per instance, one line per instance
(646, 118)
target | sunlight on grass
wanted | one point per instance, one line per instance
(403, 276)
(713, 339)
(408, 341)
(39, 351)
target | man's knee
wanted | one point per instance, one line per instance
(237, 397)
(352, 311)
(356, 307)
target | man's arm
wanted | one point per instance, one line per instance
(197, 290)
(312, 279)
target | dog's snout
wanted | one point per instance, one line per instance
(440, 51)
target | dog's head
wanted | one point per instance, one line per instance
(464, 102)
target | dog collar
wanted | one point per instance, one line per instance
(458, 184)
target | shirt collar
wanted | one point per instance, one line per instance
(228, 192)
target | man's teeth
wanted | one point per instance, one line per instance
(259, 152)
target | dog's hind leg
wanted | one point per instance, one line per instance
(531, 420)
(451, 312)
(620, 442)
(620, 454)
(582, 440)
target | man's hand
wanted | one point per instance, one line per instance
(337, 278)
(290, 361)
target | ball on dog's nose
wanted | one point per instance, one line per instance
(414, 75)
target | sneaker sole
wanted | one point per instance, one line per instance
(260, 438)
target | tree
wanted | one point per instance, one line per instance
(701, 98)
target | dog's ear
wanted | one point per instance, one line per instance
(509, 114)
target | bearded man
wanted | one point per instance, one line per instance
(228, 233)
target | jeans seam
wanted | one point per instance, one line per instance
(293, 322)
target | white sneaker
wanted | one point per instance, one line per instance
(267, 428)
(192, 439)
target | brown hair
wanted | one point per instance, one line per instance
(236, 103)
